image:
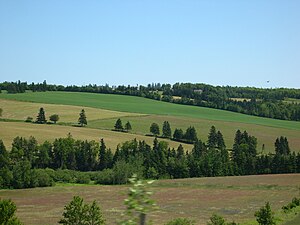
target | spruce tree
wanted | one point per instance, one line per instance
(41, 118)
(82, 118)
(128, 126)
(166, 130)
(118, 125)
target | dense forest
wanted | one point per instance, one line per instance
(278, 103)
(29, 164)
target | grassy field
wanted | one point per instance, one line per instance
(68, 114)
(49, 132)
(266, 135)
(145, 106)
(179, 116)
(235, 198)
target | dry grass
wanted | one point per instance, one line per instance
(235, 198)
(9, 130)
(21, 110)
(265, 135)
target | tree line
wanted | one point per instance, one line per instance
(263, 102)
(27, 161)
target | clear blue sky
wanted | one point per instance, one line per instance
(244, 43)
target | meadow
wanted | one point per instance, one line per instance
(102, 111)
(235, 198)
(43, 132)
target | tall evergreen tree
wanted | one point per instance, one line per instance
(82, 118)
(166, 130)
(118, 125)
(191, 134)
(178, 134)
(103, 164)
(128, 126)
(282, 146)
(212, 138)
(41, 118)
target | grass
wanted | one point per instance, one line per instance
(49, 132)
(266, 135)
(68, 114)
(145, 106)
(196, 198)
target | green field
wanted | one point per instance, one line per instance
(146, 106)
(235, 198)
(102, 111)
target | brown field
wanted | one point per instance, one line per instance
(235, 198)
(43, 132)
(17, 110)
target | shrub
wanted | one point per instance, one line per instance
(181, 221)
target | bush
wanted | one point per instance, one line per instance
(43, 179)
(29, 119)
(105, 177)
(264, 216)
(83, 178)
(181, 221)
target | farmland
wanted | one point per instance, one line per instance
(235, 198)
(102, 111)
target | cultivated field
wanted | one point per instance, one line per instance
(145, 106)
(68, 114)
(102, 111)
(235, 198)
(50, 132)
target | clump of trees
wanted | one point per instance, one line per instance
(80, 213)
(7, 213)
(119, 126)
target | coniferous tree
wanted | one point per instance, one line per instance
(191, 134)
(103, 164)
(282, 146)
(212, 138)
(265, 216)
(128, 126)
(7, 213)
(178, 134)
(166, 131)
(154, 129)
(118, 125)
(82, 118)
(41, 118)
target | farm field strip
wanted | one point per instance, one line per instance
(43, 132)
(145, 106)
(19, 110)
(265, 135)
(193, 198)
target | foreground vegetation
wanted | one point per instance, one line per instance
(234, 198)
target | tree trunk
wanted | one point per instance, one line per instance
(142, 219)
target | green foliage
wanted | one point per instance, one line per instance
(138, 203)
(118, 125)
(166, 130)
(293, 204)
(282, 146)
(128, 126)
(82, 118)
(1, 110)
(219, 220)
(54, 118)
(41, 118)
(7, 213)
(181, 221)
(154, 129)
(79, 213)
(265, 216)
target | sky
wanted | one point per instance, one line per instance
(238, 43)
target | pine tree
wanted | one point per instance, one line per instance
(128, 126)
(41, 118)
(265, 216)
(212, 138)
(82, 118)
(166, 130)
(118, 125)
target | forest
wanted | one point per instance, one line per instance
(29, 164)
(277, 103)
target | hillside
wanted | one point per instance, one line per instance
(142, 112)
